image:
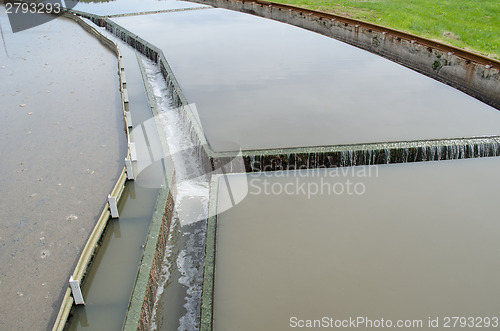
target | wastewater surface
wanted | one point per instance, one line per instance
(411, 241)
(111, 278)
(128, 6)
(61, 152)
(177, 303)
(263, 84)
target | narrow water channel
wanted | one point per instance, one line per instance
(109, 284)
(111, 277)
(263, 84)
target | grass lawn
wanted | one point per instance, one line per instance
(470, 24)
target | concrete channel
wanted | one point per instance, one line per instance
(108, 265)
(481, 82)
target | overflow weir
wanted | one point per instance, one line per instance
(482, 83)
(392, 151)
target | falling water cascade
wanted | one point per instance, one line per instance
(185, 248)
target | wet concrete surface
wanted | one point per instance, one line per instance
(61, 152)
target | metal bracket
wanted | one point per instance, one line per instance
(77, 291)
(113, 207)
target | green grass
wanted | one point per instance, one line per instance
(470, 24)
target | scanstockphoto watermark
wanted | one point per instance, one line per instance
(26, 14)
(354, 322)
(432, 322)
(350, 181)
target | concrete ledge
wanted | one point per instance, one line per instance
(157, 12)
(209, 264)
(365, 154)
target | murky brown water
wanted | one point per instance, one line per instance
(61, 151)
(421, 241)
(264, 84)
(128, 6)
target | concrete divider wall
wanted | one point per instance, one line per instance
(366, 154)
(471, 73)
(154, 276)
(207, 296)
